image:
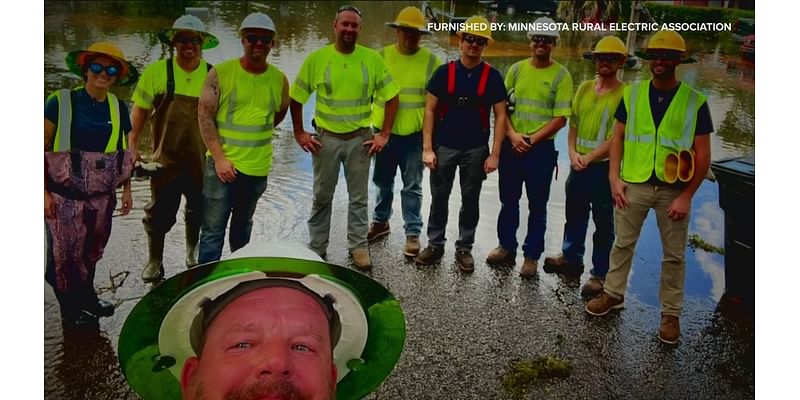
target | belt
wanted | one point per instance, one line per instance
(342, 136)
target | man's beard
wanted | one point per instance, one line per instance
(284, 389)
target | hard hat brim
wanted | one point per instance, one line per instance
(130, 76)
(400, 25)
(209, 41)
(147, 370)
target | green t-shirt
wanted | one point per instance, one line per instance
(345, 84)
(154, 81)
(541, 93)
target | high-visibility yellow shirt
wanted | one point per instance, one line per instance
(346, 85)
(593, 115)
(412, 73)
(541, 93)
(246, 114)
(154, 81)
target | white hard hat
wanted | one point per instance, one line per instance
(544, 26)
(258, 20)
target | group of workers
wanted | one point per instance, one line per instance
(401, 106)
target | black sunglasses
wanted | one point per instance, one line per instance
(189, 39)
(664, 55)
(607, 58)
(476, 40)
(349, 8)
(253, 38)
(97, 69)
(542, 39)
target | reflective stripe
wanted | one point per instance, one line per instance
(532, 116)
(524, 101)
(591, 144)
(302, 85)
(514, 74)
(640, 138)
(343, 118)
(554, 89)
(413, 104)
(365, 81)
(381, 84)
(64, 121)
(111, 146)
(601, 135)
(629, 126)
(231, 107)
(328, 89)
(429, 69)
(244, 128)
(414, 91)
(343, 103)
(562, 104)
(688, 127)
(246, 143)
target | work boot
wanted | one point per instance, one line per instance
(603, 304)
(560, 265)
(192, 238)
(501, 257)
(377, 230)
(154, 269)
(670, 329)
(592, 287)
(431, 255)
(83, 319)
(101, 308)
(528, 269)
(411, 247)
(466, 263)
(361, 259)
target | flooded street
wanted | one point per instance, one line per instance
(463, 330)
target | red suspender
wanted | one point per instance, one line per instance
(484, 111)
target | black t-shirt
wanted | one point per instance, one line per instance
(462, 127)
(659, 101)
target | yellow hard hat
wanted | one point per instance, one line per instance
(410, 17)
(477, 21)
(76, 59)
(610, 44)
(667, 40)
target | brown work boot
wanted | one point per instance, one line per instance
(501, 257)
(603, 304)
(411, 247)
(466, 263)
(528, 268)
(592, 287)
(377, 230)
(670, 329)
(430, 255)
(560, 265)
(361, 259)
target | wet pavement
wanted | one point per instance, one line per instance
(464, 330)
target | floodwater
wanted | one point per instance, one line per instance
(81, 364)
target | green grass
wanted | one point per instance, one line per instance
(524, 374)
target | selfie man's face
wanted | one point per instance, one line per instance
(268, 343)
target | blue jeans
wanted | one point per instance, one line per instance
(236, 200)
(589, 190)
(535, 170)
(404, 152)
(471, 176)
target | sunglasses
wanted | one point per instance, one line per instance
(607, 58)
(476, 40)
(97, 69)
(542, 39)
(195, 40)
(253, 38)
(349, 8)
(664, 55)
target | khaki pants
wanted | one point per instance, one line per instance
(642, 197)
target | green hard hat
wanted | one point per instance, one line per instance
(156, 338)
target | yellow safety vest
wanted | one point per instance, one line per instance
(645, 147)
(541, 94)
(593, 115)
(246, 113)
(63, 139)
(407, 72)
